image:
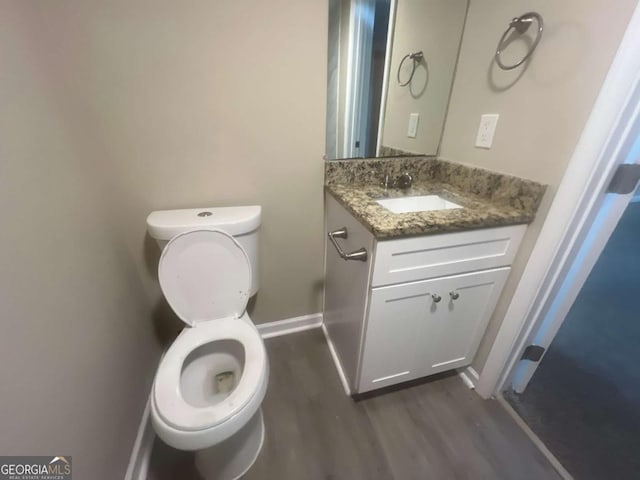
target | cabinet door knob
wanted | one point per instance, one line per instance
(436, 297)
(454, 295)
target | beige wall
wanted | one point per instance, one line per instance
(205, 104)
(221, 103)
(77, 349)
(114, 109)
(433, 27)
(542, 107)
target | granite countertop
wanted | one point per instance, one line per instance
(478, 211)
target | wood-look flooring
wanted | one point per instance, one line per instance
(435, 430)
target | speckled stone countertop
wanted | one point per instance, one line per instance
(489, 199)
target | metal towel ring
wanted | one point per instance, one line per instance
(520, 24)
(416, 58)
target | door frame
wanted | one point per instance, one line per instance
(604, 144)
(595, 234)
(393, 8)
(358, 70)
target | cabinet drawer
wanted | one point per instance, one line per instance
(418, 258)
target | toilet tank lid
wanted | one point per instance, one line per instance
(166, 224)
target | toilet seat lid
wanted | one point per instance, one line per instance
(205, 275)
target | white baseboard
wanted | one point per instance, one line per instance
(469, 376)
(290, 325)
(141, 454)
(336, 362)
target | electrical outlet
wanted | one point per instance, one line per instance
(486, 130)
(412, 131)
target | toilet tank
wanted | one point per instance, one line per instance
(243, 223)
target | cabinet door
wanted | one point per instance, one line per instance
(397, 331)
(461, 322)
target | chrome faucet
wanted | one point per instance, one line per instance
(403, 182)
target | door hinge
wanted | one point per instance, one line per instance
(533, 353)
(625, 179)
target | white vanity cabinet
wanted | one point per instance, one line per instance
(416, 306)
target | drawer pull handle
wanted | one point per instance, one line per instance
(360, 254)
(436, 297)
(454, 295)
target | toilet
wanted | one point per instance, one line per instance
(209, 387)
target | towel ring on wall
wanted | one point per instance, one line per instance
(520, 24)
(416, 58)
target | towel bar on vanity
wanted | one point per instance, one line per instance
(360, 254)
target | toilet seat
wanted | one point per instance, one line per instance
(170, 404)
(205, 275)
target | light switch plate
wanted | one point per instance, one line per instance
(486, 130)
(412, 131)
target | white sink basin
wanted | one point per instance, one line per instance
(422, 203)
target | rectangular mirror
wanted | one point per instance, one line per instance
(390, 69)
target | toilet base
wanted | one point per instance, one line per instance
(232, 458)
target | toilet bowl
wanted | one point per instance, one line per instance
(210, 383)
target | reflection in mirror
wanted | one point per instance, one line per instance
(390, 70)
